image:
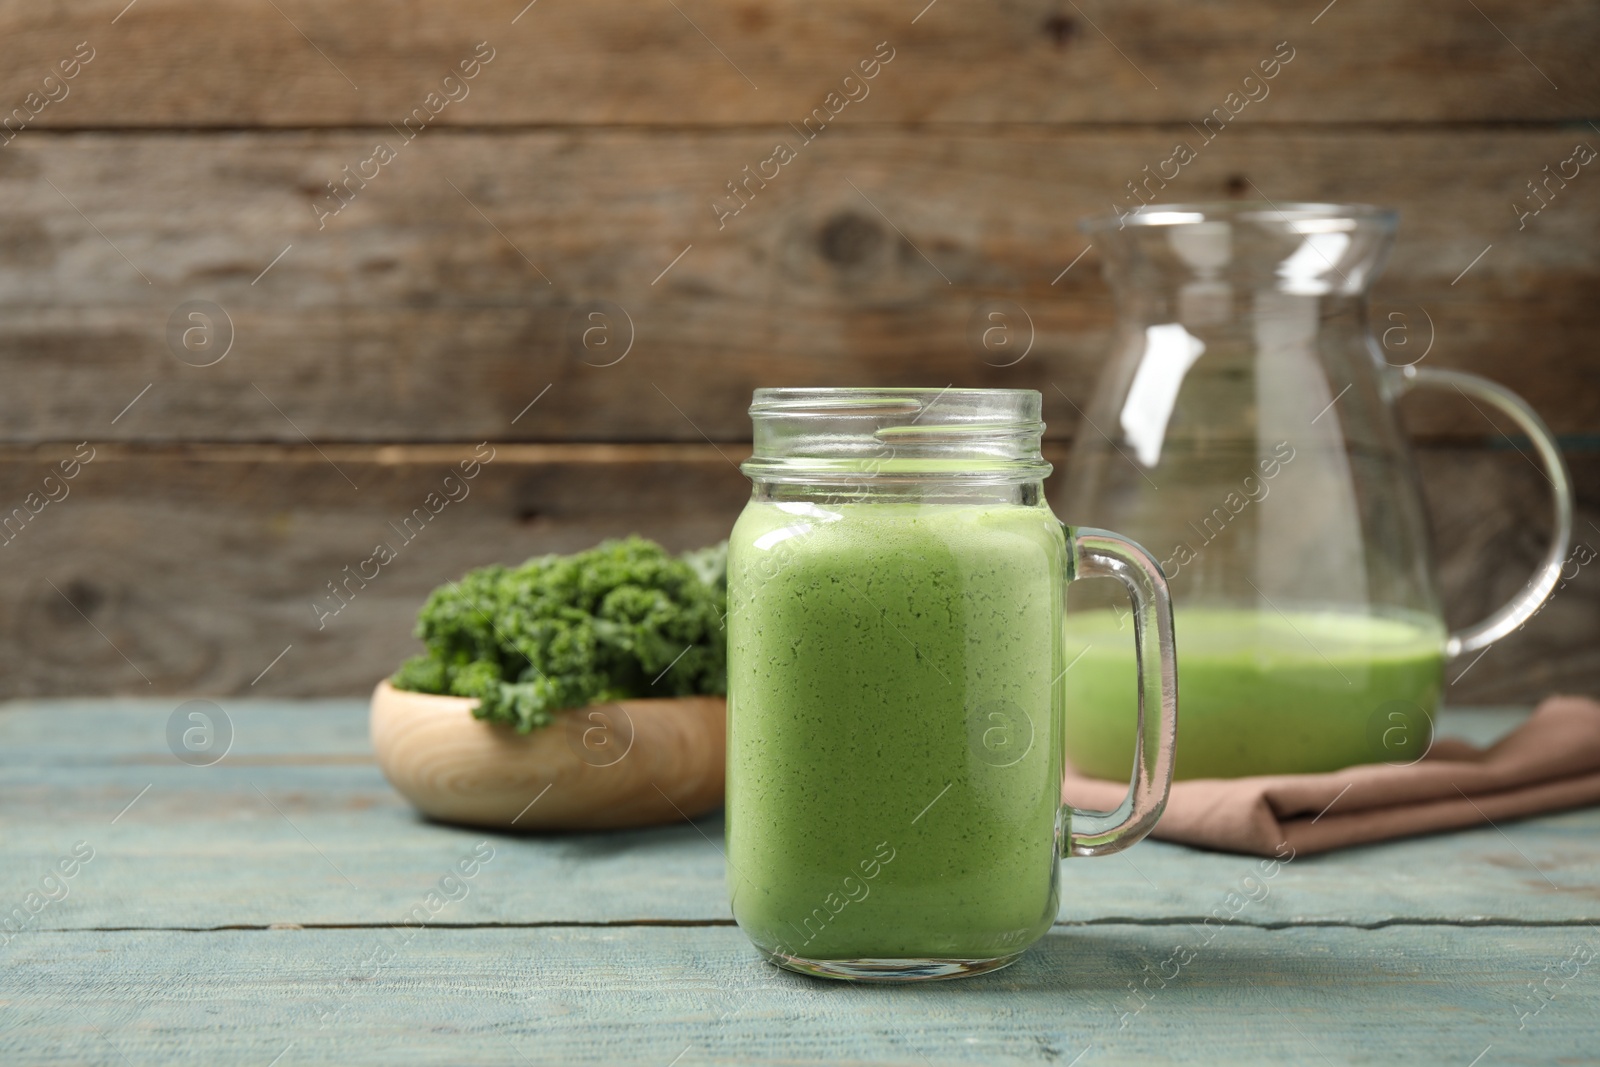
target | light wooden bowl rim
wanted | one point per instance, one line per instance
(441, 702)
(446, 704)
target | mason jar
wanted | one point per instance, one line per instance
(896, 589)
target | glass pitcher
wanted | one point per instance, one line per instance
(1244, 431)
(896, 588)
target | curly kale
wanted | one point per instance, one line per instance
(619, 621)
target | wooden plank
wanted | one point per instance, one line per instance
(274, 529)
(294, 824)
(159, 548)
(409, 317)
(646, 995)
(720, 61)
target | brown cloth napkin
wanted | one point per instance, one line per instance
(1549, 763)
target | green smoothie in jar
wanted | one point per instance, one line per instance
(894, 754)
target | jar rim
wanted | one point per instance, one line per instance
(859, 433)
(865, 400)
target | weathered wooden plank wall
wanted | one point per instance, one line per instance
(374, 338)
(236, 63)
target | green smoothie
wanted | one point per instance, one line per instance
(1261, 693)
(894, 743)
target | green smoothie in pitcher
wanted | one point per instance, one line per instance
(1262, 693)
(894, 746)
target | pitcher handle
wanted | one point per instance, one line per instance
(1520, 608)
(1101, 554)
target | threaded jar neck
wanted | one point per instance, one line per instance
(851, 436)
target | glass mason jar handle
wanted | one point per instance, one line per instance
(1101, 554)
(1533, 595)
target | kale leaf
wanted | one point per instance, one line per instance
(622, 620)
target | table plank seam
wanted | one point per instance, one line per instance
(1346, 924)
(280, 925)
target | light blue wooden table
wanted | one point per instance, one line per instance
(256, 911)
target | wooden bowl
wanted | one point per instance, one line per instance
(631, 763)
